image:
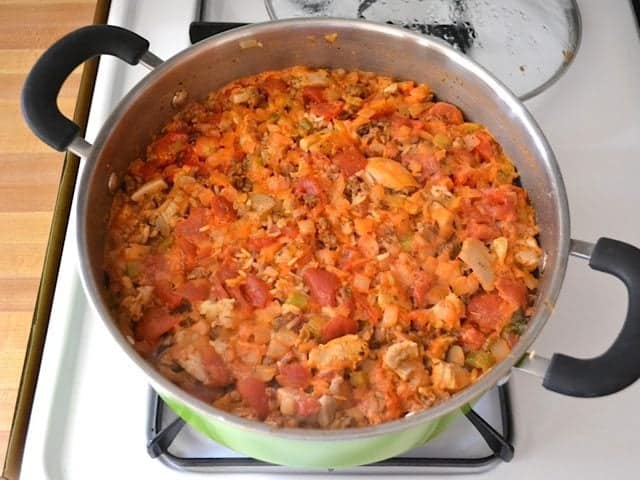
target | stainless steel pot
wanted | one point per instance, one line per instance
(360, 45)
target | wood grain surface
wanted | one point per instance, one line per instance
(29, 176)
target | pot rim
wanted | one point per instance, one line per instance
(465, 396)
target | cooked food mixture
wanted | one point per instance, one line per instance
(322, 248)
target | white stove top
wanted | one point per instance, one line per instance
(90, 409)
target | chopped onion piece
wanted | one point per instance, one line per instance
(390, 316)
(361, 283)
(499, 247)
(151, 186)
(476, 256)
(306, 227)
(456, 355)
(449, 376)
(265, 373)
(261, 203)
(393, 88)
(287, 401)
(317, 78)
(499, 349)
(241, 96)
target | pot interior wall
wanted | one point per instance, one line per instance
(359, 45)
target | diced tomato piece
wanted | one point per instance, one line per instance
(337, 327)
(195, 290)
(307, 405)
(145, 170)
(155, 323)
(429, 164)
(310, 186)
(217, 288)
(294, 375)
(420, 289)
(324, 285)
(254, 392)
(466, 176)
(219, 375)
(273, 86)
(481, 224)
(222, 210)
(513, 291)
(488, 311)
(256, 291)
(190, 227)
(472, 338)
(486, 147)
(399, 122)
(190, 157)
(167, 266)
(381, 108)
(164, 292)
(161, 271)
(189, 233)
(235, 293)
(255, 244)
(241, 301)
(501, 202)
(226, 272)
(313, 94)
(447, 113)
(482, 231)
(326, 110)
(189, 252)
(165, 149)
(349, 161)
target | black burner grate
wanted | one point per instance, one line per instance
(160, 440)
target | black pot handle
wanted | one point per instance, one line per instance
(40, 92)
(619, 366)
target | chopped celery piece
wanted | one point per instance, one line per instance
(358, 379)
(298, 299)
(305, 124)
(133, 269)
(406, 243)
(469, 127)
(480, 359)
(518, 323)
(315, 324)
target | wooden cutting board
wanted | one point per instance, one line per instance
(29, 176)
